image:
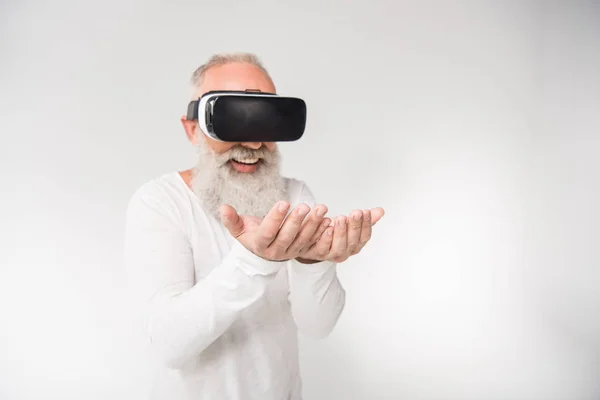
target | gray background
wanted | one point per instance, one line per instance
(474, 124)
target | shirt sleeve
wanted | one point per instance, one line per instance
(183, 317)
(316, 295)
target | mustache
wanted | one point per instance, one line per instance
(241, 152)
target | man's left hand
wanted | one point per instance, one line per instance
(345, 237)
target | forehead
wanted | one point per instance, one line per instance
(236, 76)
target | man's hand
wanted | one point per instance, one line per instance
(275, 237)
(344, 238)
(308, 237)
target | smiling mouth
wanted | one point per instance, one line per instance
(246, 161)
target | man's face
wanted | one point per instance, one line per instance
(234, 76)
(244, 175)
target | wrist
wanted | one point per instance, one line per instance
(252, 263)
(311, 267)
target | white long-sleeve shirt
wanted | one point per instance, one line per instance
(222, 321)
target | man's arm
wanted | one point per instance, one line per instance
(316, 295)
(182, 317)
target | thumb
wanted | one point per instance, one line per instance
(232, 221)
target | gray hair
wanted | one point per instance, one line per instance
(223, 59)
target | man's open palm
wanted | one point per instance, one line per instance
(304, 235)
(274, 237)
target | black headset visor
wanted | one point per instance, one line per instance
(248, 116)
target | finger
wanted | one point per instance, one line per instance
(309, 227)
(269, 227)
(339, 245)
(290, 228)
(313, 222)
(320, 231)
(232, 221)
(376, 215)
(322, 247)
(365, 234)
(355, 223)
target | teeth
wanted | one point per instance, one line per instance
(246, 160)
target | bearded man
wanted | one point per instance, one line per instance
(234, 260)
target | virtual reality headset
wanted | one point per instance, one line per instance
(249, 116)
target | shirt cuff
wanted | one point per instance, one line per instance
(251, 264)
(315, 268)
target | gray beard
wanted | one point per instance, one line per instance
(216, 183)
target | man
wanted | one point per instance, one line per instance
(234, 259)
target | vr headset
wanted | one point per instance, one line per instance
(249, 116)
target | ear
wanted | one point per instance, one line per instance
(190, 130)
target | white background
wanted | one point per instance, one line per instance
(474, 124)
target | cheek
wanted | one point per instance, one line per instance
(223, 148)
(270, 145)
(219, 147)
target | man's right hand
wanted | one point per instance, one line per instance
(275, 237)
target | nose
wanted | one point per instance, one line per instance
(252, 145)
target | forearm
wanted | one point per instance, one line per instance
(183, 321)
(317, 297)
